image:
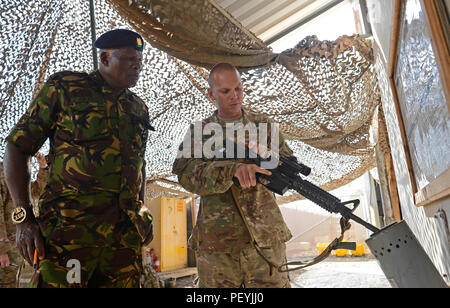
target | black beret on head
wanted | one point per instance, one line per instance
(120, 38)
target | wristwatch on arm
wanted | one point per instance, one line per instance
(22, 214)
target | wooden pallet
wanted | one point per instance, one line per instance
(182, 272)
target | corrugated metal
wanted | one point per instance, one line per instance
(268, 18)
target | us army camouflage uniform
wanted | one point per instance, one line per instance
(90, 208)
(37, 188)
(8, 230)
(226, 256)
(150, 278)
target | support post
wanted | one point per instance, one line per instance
(93, 35)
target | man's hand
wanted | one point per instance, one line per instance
(246, 174)
(4, 260)
(41, 160)
(28, 238)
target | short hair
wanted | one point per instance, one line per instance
(220, 67)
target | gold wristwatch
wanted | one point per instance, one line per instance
(21, 214)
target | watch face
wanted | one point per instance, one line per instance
(18, 215)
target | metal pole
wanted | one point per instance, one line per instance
(303, 21)
(93, 35)
(367, 27)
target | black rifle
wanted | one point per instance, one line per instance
(287, 176)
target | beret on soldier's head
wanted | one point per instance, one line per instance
(120, 38)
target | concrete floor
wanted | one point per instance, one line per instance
(333, 272)
(341, 272)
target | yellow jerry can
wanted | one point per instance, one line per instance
(359, 250)
(321, 247)
(341, 252)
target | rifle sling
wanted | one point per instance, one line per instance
(344, 223)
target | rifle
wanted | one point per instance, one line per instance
(408, 265)
(286, 176)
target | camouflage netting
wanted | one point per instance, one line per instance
(322, 93)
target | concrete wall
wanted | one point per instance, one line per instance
(429, 223)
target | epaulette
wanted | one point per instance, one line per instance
(135, 97)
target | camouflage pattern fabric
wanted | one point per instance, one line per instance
(220, 227)
(37, 188)
(114, 264)
(8, 230)
(8, 275)
(244, 269)
(149, 279)
(96, 158)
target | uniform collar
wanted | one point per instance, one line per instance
(103, 85)
(243, 118)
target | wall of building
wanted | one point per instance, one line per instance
(429, 223)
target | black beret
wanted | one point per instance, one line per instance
(120, 38)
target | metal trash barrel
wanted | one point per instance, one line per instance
(402, 259)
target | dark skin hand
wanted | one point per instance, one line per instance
(17, 174)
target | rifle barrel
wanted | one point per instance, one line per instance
(327, 201)
(362, 222)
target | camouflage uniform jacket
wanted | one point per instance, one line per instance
(220, 227)
(7, 228)
(97, 145)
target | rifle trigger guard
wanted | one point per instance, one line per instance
(262, 178)
(355, 204)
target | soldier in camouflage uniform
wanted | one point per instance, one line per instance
(90, 228)
(235, 225)
(8, 250)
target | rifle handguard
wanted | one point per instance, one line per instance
(286, 176)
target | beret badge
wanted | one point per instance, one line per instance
(138, 42)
